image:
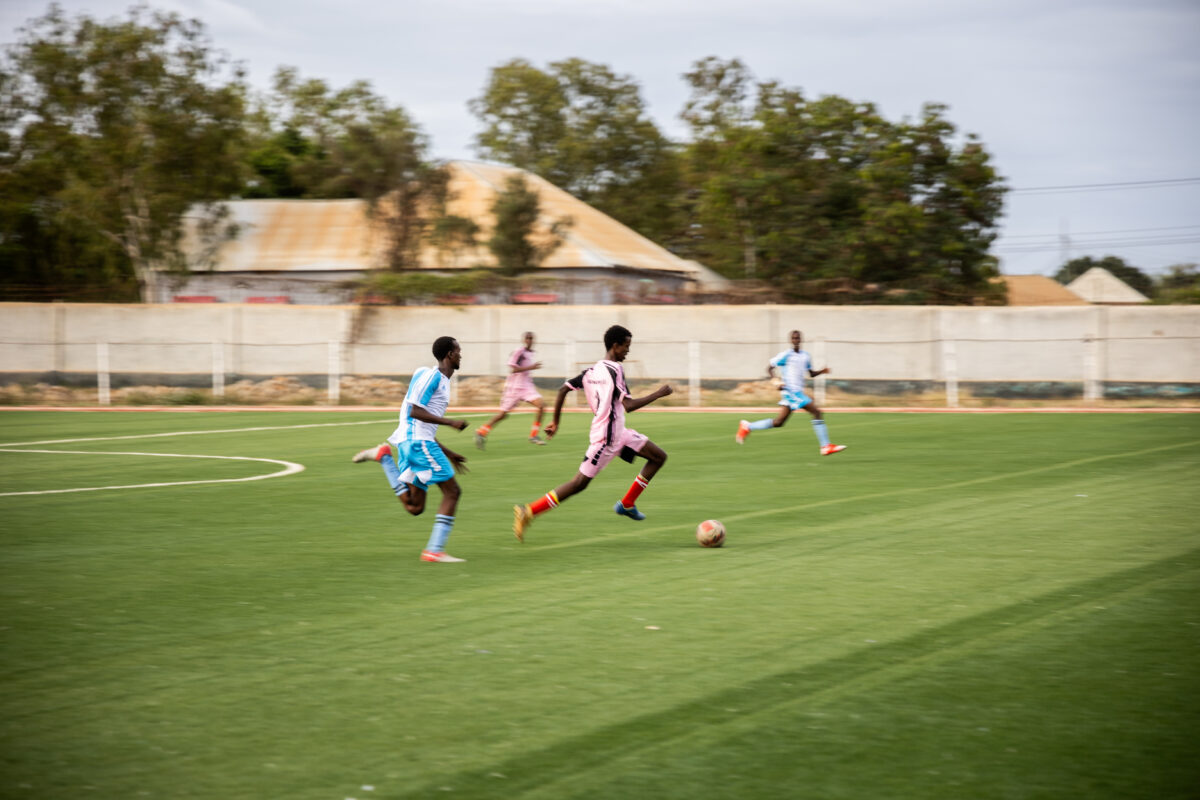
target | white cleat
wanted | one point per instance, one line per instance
(440, 558)
(375, 453)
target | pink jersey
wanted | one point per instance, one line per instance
(520, 383)
(605, 388)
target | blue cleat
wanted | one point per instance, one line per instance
(630, 512)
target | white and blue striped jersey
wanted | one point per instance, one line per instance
(794, 366)
(430, 390)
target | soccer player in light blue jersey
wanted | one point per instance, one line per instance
(795, 366)
(421, 459)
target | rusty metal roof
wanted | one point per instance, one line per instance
(337, 235)
(1038, 290)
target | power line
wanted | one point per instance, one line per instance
(1057, 236)
(1113, 244)
(1104, 187)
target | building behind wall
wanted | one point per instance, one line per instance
(308, 251)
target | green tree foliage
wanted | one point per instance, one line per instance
(112, 131)
(515, 242)
(452, 236)
(585, 129)
(802, 192)
(1117, 266)
(1180, 284)
(403, 288)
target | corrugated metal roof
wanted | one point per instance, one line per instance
(333, 235)
(1098, 285)
(1038, 290)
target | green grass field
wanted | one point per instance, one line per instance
(958, 606)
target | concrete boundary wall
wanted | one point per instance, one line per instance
(1089, 345)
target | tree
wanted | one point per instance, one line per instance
(1117, 266)
(312, 141)
(1181, 284)
(113, 131)
(515, 242)
(585, 129)
(452, 236)
(809, 194)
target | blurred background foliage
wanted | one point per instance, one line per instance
(111, 131)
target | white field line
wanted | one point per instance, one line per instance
(289, 468)
(391, 420)
(195, 433)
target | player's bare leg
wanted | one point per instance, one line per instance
(745, 426)
(818, 423)
(435, 549)
(523, 515)
(655, 458)
(537, 423)
(481, 433)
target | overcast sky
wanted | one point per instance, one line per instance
(1063, 93)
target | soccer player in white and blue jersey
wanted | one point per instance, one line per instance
(421, 460)
(795, 365)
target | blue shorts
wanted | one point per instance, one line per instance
(424, 463)
(793, 400)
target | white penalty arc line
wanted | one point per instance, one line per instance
(289, 468)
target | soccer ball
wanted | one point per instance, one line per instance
(710, 533)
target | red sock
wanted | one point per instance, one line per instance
(534, 430)
(484, 430)
(544, 503)
(635, 490)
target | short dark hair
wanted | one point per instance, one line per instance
(615, 335)
(443, 345)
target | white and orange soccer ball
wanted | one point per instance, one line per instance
(710, 533)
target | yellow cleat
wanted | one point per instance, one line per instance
(522, 516)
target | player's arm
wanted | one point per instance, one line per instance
(778, 361)
(421, 413)
(569, 386)
(457, 459)
(633, 404)
(530, 368)
(815, 372)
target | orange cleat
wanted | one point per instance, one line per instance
(373, 453)
(743, 432)
(440, 558)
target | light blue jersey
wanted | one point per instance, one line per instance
(794, 367)
(430, 390)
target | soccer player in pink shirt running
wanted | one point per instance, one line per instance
(609, 398)
(518, 388)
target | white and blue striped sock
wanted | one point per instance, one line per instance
(822, 434)
(392, 473)
(762, 424)
(441, 532)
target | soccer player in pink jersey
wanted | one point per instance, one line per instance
(609, 398)
(518, 388)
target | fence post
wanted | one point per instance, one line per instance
(103, 383)
(218, 369)
(694, 376)
(569, 355)
(335, 372)
(1091, 365)
(819, 381)
(950, 372)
